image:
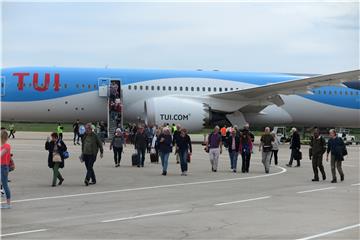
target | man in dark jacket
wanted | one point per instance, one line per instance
(295, 146)
(316, 152)
(90, 148)
(184, 149)
(140, 142)
(337, 148)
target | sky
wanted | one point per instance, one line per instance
(296, 37)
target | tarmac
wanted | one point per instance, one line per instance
(139, 203)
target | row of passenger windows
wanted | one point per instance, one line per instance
(83, 86)
(324, 92)
(175, 88)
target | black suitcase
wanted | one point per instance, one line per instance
(154, 158)
(135, 159)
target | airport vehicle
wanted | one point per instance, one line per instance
(346, 137)
(281, 133)
(193, 99)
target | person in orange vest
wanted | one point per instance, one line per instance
(223, 133)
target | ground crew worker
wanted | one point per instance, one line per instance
(316, 152)
(59, 131)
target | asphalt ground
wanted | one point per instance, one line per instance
(139, 203)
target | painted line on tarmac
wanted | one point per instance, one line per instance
(330, 232)
(315, 190)
(142, 216)
(21, 233)
(355, 184)
(283, 170)
(242, 201)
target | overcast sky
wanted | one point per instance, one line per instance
(262, 37)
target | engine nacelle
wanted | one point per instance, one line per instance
(187, 112)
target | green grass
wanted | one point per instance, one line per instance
(37, 127)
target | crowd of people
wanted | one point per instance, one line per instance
(161, 141)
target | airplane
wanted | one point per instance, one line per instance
(193, 99)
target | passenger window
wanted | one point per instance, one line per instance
(209, 89)
(220, 89)
(95, 87)
(158, 88)
(141, 87)
(319, 92)
(129, 87)
(146, 87)
(175, 88)
(204, 89)
(192, 89)
(340, 92)
(330, 92)
(135, 87)
(89, 86)
(169, 88)
(83, 86)
(198, 89)
(231, 89)
(226, 89)
(152, 88)
(214, 89)
(186, 89)
(324, 92)
(164, 88)
(335, 92)
(181, 88)
(351, 93)
(346, 93)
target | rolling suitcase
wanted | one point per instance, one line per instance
(154, 158)
(135, 159)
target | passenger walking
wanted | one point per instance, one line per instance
(233, 143)
(184, 149)
(90, 148)
(150, 135)
(176, 134)
(56, 148)
(81, 131)
(155, 145)
(295, 146)
(337, 148)
(60, 130)
(246, 147)
(316, 152)
(275, 148)
(12, 130)
(266, 147)
(76, 126)
(140, 142)
(165, 148)
(5, 167)
(214, 148)
(116, 145)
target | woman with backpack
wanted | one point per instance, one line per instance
(56, 148)
(245, 150)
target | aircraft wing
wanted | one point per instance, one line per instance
(271, 93)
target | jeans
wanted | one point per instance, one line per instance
(76, 134)
(245, 155)
(214, 154)
(89, 163)
(141, 156)
(233, 159)
(117, 154)
(317, 163)
(56, 173)
(164, 160)
(4, 180)
(266, 160)
(183, 160)
(275, 154)
(338, 163)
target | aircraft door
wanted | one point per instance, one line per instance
(103, 87)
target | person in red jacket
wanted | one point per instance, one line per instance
(5, 167)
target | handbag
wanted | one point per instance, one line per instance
(65, 154)
(12, 165)
(56, 157)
